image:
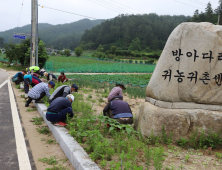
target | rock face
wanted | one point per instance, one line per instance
(179, 121)
(192, 57)
(185, 83)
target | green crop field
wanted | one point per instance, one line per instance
(83, 65)
(132, 79)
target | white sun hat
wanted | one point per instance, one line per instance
(71, 97)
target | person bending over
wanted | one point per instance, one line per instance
(19, 77)
(30, 80)
(39, 91)
(119, 110)
(63, 91)
(59, 109)
(62, 78)
(50, 77)
(116, 91)
(41, 72)
(33, 69)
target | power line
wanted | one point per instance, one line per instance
(115, 6)
(20, 14)
(70, 12)
(188, 4)
(105, 6)
(198, 2)
(127, 6)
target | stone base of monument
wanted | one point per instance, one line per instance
(180, 118)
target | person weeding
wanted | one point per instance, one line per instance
(116, 91)
(62, 78)
(119, 110)
(19, 77)
(30, 80)
(39, 91)
(59, 109)
(63, 91)
(41, 72)
(50, 77)
(33, 69)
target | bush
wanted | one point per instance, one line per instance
(67, 52)
(99, 55)
(78, 51)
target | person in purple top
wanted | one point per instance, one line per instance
(116, 91)
(119, 110)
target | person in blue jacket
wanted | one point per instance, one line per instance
(59, 109)
(19, 77)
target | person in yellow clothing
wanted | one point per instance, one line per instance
(34, 69)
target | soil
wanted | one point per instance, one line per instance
(38, 142)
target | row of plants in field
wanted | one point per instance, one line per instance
(132, 91)
(82, 65)
(134, 80)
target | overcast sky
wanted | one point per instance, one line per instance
(101, 9)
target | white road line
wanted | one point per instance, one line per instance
(23, 158)
(6, 81)
(2, 69)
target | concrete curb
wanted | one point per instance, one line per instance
(74, 152)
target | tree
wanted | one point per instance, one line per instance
(67, 52)
(113, 49)
(1, 42)
(11, 51)
(42, 54)
(100, 48)
(0, 51)
(78, 51)
(135, 45)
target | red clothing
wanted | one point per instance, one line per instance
(35, 74)
(62, 78)
(34, 81)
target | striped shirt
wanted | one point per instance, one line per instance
(38, 89)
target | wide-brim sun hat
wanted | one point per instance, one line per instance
(121, 84)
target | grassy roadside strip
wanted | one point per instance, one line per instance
(121, 147)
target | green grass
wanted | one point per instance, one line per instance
(37, 120)
(31, 110)
(51, 141)
(51, 161)
(43, 130)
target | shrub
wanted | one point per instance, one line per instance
(78, 51)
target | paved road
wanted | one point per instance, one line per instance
(8, 154)
(13, 150)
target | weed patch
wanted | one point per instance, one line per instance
(43, 130)
(37, 120)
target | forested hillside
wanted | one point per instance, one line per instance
(151, 29)
(209, 15)
(59, 36)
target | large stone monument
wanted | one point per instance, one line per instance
(185, 90)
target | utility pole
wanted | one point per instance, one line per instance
(37, 34)
(219, 10)
(33, 33)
